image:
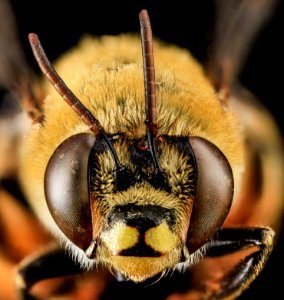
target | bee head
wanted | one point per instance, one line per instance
(140, 205)
(134, 219)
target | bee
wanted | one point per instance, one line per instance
(142, 164)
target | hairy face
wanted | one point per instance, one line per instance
(145, 219)
(124, 214)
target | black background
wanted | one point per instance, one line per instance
(188, 24)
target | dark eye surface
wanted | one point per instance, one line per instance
(214, 192)
(67, 188)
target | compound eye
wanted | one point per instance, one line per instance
(214, 192)
(66, 187)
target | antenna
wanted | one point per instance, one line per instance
(149, 86)
(62, 88)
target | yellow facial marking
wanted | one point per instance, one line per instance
(120, 237)
(161, 238)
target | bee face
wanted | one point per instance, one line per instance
(132, 215)
(147, 217)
